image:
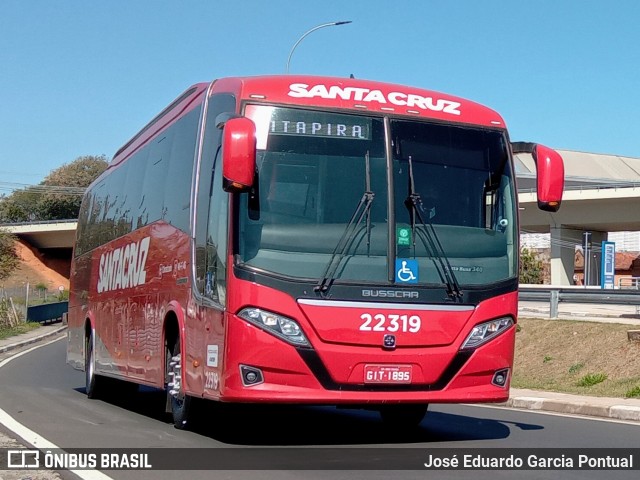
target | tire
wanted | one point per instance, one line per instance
(94, 384)
(178, 404)
(400, 417)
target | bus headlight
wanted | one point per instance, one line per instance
(484, 332)
(282, 327)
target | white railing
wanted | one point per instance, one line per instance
(629, 282)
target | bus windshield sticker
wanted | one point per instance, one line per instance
(467, 269)
(403, 236)
(406, 270)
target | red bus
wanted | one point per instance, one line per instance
(306, 240)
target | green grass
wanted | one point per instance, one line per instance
(591, 379)
(6, 332)
(633, 393)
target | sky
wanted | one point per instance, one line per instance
(81, 77)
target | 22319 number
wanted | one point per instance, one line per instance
(379, 322)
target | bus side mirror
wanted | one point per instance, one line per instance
(238, 154)
(550, 174)
(550, 177)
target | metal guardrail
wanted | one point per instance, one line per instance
(48, 312)
(555, 295)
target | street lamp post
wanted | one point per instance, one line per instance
(318, 27)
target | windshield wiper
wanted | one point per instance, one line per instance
(348, 236)
(430, 238)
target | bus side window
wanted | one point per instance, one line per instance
(82, 238)
(135, 177)
(211, 226)
(177, 187)
(217, 231)
(155, 176)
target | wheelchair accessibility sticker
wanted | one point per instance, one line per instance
(406, 270)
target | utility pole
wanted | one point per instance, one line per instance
(586, 254)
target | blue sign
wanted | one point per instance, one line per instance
(608, 268)
(406, 270)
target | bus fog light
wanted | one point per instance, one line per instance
(484, 332)
(251, 375)
(278, 325)
(500, 377)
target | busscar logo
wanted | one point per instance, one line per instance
(390, 293)
(359, 94)
(123, 267)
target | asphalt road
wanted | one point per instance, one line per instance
(45, 395)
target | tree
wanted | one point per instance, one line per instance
(531, 267)
(20, 206)
(8, 257)
(77, 174)
(58, 196)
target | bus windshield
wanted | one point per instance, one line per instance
(368, 200)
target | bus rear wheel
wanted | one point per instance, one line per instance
(178, 403)
(403, 416)
(94, 384)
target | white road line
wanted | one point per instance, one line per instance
(31, 437)
(554, 414)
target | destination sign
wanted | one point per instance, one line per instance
(317, 129)
(279, 122)
(319, 124)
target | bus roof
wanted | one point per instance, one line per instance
(362, 95)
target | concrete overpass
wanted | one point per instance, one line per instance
(602, 194)
(46, 235)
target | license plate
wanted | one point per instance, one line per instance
(387, 374)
